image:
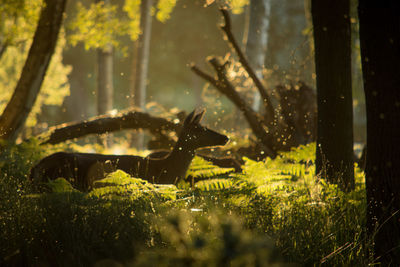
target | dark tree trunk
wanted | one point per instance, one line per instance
(334, 159)
(18, 108)
(380, 53)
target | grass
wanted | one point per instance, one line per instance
(275, 212)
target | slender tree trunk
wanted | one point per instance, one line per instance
(141, 64)
(334, 156)
(380, 54)
(44, 41)
(257, 40)
(105, 88)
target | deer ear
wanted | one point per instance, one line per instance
(189, 118)
(194, 117)
(199, 113)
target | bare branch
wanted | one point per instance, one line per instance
(242, 59)
(224, 86)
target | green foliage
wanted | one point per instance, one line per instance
(119, 185)
(18, 20)
(165, 8)
(125, 219)
(97, 25)
(55, 86)
(60, 185)
(132, 9)
(200, 169)
(102, 24)
(215, 239)
(237, 5)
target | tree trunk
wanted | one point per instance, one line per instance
(18, 108)
(380, 54)
(105, 86)
(141, 63)
(257, 40)
(334, 156)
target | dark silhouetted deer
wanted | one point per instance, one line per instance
(81, 169)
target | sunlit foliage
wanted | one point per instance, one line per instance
(238, 5)
(132, 8)
(310, 222)
(18, 20)
(101, 24)
(164, 9)
(96, 25)
(55, 85)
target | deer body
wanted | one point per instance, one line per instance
(82, 169)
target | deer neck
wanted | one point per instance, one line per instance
(181, 155)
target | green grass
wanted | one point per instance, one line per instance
(275, 212)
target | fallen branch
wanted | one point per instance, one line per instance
(242, 59)
(224, 86)
(109, 123)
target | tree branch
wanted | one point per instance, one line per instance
(108, 123)
(224, 86)
(242, 59)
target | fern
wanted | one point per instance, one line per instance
(200, 169)
(121, 185)
(301, 154)
(215, 184)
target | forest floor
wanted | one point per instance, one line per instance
(274, 212)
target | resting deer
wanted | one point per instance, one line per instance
(81, 169)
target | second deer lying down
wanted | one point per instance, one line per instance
(82, 169)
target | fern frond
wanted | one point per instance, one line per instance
(201, 169)
(214, 184)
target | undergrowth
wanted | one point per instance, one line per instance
(274, 212)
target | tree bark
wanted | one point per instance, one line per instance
(44, 41)
(334, 155)
(380, 53)
(257, 40)
(141, 65)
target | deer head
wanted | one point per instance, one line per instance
(194, 135)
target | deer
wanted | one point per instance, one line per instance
(82, 169)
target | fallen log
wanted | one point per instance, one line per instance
(110, 123)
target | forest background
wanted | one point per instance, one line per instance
(70, 89)
(282, 196)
